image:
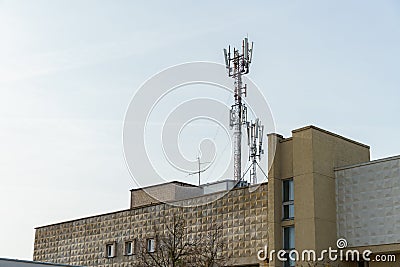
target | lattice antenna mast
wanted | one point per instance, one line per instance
(255, 133)
(237, 65)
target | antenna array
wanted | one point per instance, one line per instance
(255, 133)
(238, 64)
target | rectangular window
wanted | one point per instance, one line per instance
(129, 248)
(288, 238)
(288, 245)
(151, 245)
(288, 211)
(288, 199)
(362, 264)
(289, 262)
(110, 250)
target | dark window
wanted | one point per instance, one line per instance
(129, 248)
(288, 190)
(288, 238)
(288, 245)
(288, 199)
(362, 264)
(151, 245)
(289, 262)
(110, 250)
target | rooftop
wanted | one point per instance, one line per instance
(140, 207)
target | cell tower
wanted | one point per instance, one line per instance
(237, 65)
(255, 133)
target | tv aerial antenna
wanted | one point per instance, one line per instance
(237, 64)
(199, 163)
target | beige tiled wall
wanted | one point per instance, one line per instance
(242, 214)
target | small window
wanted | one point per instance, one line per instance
(151, 245)
(129, 248)
(288, 199)
(289, 262)
(288, 245)
(288, 190)
(288, 211)
(110, 250)
(362, 264)
(288, 238)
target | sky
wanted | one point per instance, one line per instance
(68, 70)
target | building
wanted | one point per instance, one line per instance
(321, 187)
(241, 212)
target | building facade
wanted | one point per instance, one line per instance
(241, 212)
(319, 184)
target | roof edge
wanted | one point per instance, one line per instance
(143, 206)
(330, 133)
(178, 183)
(376, 161)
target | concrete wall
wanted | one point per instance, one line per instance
(368, 202)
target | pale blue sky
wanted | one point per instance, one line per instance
(68, 70)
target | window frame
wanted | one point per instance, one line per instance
(284, 241)
(288, 262)
(287, 203)
(132, 250)
(110, 250)
(149, 248)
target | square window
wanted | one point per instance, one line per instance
(288, 211)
